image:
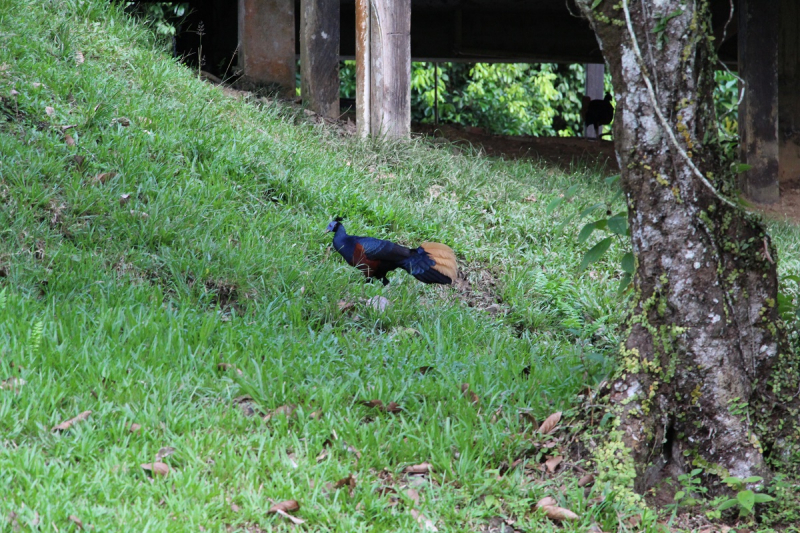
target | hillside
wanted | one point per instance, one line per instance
(163, 264)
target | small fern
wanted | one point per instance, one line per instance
(35, 341)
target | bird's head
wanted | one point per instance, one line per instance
(334, 224)
(608, 98)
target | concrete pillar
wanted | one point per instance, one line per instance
(383, 67)
(789, 92)
(319, 56)
(594, 88)
(266, 43)
(758, 112)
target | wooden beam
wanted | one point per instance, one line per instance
(789, 92)
(594, 89)
(266, 42)
(758, 112)
(319, 56)
(383, 69)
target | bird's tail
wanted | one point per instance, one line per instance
(439, 265)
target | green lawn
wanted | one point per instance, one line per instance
(127, 306)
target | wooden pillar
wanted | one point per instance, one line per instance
(266, 43)
(758, 112)
(594, 88)
(319, 56)
(383, 67)
(789, 92)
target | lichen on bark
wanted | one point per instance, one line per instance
(705, 358)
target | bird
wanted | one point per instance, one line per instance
(597, 113)
(431, 262)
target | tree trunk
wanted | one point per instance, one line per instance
(705, 373)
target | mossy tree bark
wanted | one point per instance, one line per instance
(705, 370)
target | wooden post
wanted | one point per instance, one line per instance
(319, 56)
(383, 67)
(266, 39)
(789, 92)
(594, 88)
(758, 112)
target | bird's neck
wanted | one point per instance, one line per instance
(339, 237)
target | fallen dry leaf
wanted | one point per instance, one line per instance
(393, 408)
(316, 415)
(124, 198)
(554, 512)
(550, 423)
(63, 426)
(283, 410)
(470, 395)
(134, 427)
(422, 468)
(553, 463)
(78, 160)
(373, 403)
(69, 140)
(13, 383)
(293, 519)
(156, 468)
(353, 450)
(234, 507)
(75, 520)
(103, 178)
(426, 523)
(123, 121)
(379, 303)
(287, 506)
(344, 305)
(166, 451)
(544, 502)
(139, 214)
(531, 198)
(425, 369)
(526, 418)
(49, 111)
(79, 59)
(413, 495)
(585, 480)
(322, 456)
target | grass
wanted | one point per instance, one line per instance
(127, 309)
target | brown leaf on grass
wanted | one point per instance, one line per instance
(13, 384)
(234, 507)
(293, 519)
(594, 528)
(585, 480)
(322, 456)
(134, 427)
(69, 140)
(373, 403)
(287, 506)
(283, 410)
(348, 482)
(554, 512)
(166, 451)
(63, 426)
(122, 121)
(104, 177)
(550, 423)
(422, 468)
(422, 520)
(79, 59)
(393, 407)
(78, 160)
(378, 303)
(425, 369)
(156, 468)
(531, 198)
(344, 305)
(352, 450)
(634, 521)
(468, 394)
(544, 502)
(67, 127)
(553, 463)
(139, 214)
(413, 495)
(527, 419)
(75, 520)
(50, 111)
(315, 415)
(124, 198)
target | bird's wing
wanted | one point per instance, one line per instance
(380, 250)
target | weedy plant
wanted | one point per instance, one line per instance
(746, 499)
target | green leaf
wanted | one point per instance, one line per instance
(571, 191)
(727, 504)
(628, 265)
(589, 210)
(611, 180)
(595, 4)
(696, 471)
(764, 498)
(732, 480)
(624, 281)
(747, 499)
(618, 224)
(679, 495)
(793, 277)
(552, 205)
(741, 167)
(752, 479)
(595, 253)
(586, 231)
(563, 225)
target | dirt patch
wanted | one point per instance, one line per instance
(478, 287)
(787, 209)
(564, 152)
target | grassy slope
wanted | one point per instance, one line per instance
(108, 310)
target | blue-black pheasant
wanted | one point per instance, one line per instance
(431, 262)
